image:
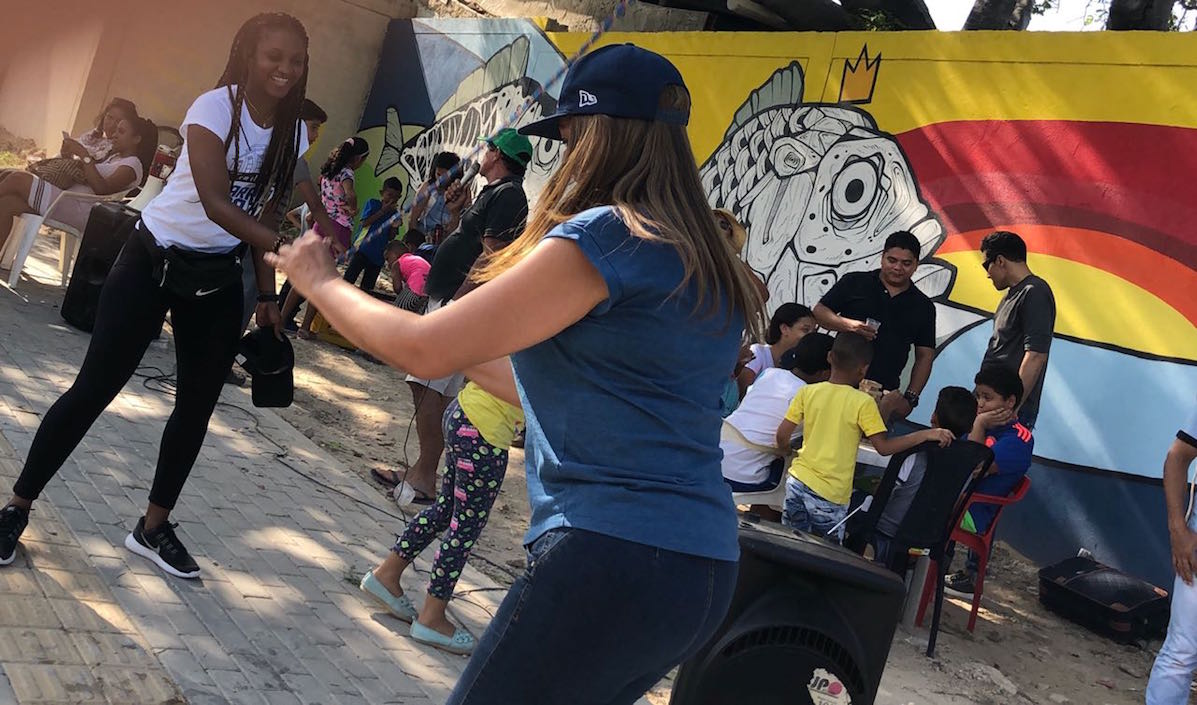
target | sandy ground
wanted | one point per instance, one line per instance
(360, 411)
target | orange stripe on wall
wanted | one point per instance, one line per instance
(1171, 281)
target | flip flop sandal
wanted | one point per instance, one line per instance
(390, 478)
(462, 642)
(401, 606)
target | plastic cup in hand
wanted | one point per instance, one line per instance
(873, 324)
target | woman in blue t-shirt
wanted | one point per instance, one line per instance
(622, 308)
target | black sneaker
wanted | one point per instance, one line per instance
(163, 547)
(13, 521)
(959, 584)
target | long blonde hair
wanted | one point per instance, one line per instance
(646, 170)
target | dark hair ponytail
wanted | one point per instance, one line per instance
(148, 132)
(122, 104)
(787, 315)
(343, 154)
(443, 160)
(278, 164)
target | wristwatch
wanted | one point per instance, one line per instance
(911, 398)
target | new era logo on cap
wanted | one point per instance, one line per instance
(632, 82)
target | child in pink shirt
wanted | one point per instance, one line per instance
(408, 271)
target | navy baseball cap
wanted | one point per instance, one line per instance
(621, 80)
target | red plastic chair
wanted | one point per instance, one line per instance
(977, 543)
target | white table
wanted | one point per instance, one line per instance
(866, 454)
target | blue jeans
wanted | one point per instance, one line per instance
(807, 511)
(595, 620)
(1177, 660)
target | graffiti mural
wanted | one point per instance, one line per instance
(460, 101)
(819, 187)
(1083, 144)
(484, 101)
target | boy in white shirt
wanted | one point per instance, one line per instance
(751, 460)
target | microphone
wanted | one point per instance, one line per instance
(471, 171)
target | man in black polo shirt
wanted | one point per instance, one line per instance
(490, 223)
(905, 316)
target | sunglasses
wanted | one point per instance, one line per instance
(989, 262)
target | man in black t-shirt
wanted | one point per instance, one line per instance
(902, 316)
(490, 223)
(1024, 320)
(495, 219)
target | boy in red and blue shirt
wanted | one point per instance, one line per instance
(998, 390)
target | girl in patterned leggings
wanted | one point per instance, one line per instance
(478, 431)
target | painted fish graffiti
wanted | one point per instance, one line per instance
(819, 188)
(481, 105)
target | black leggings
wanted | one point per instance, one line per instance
(131, 310)
(361, 265)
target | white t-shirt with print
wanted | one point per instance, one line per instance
(176, 216)
(757, 417)
(762, 358)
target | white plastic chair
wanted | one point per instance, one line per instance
(26, 226)
(775, 497)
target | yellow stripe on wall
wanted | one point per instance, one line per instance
(1091, 304)
(931, 77)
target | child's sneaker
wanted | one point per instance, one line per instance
(959, 584)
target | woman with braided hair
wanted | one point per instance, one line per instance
(184, 256)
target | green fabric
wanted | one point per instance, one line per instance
(966, 523)
(513, 144)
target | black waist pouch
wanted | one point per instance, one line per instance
(190, 274)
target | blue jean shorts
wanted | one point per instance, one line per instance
(807, 511)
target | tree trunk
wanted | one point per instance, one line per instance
(1140, 14)
(1000, 14)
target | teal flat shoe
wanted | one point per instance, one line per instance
(462, 642)
(400, 606)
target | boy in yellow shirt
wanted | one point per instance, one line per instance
(835, 415)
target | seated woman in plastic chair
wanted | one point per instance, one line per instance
(99, 139)
(134, 143)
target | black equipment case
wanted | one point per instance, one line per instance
(1104, 599)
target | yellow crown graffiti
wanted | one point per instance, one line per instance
(860, 78)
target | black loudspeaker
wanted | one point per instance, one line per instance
(810, 623)
(108, 227)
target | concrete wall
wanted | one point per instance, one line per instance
(162, 55)
(42, 83)
(165, 58)
(579, 15)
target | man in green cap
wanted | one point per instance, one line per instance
(490, 223)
